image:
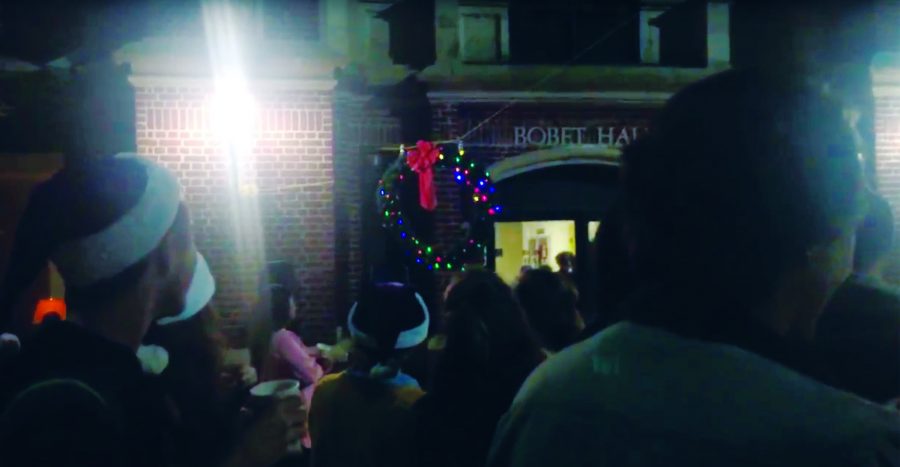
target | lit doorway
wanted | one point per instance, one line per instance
(531, 243)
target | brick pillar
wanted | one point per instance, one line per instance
(293, 172)
(360, 130)
(886, 89)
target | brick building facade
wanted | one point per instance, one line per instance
(307, 175)
(293, 170)
(561, 119)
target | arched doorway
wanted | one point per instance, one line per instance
(553, 200)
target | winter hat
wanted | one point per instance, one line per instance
(388, 317)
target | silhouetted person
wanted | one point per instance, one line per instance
(489, 352)
(741, 203)
(859, 332)
(76, 395)
(550, 305)
(363, 416)
(613, 272)
(277, 292)
(565, 261)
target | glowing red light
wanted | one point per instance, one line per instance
(47, 307)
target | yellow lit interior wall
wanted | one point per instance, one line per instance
(513, 238)
(508, 237)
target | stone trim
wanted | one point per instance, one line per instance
(500, 96)
(149, 81)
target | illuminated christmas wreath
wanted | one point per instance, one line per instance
(471, 176)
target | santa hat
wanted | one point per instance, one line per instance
(389, 316)
(128, 240)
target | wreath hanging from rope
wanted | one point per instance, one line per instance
(471, 176)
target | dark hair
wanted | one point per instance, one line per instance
(875, 235)
(612, 269)
(549, 303)
(279, 306)
(565, 257)
(75, 203)
(278, 273)
(739, 176)
(271, 313)
(487, 336)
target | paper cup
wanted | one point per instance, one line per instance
(264, 394)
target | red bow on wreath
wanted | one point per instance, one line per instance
(421, 160)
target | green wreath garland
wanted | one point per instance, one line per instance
(476, 183)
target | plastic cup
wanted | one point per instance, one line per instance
(264, 394)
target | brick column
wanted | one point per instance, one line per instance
(886, 89)
(360, 130)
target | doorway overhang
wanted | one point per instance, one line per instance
(575, 154)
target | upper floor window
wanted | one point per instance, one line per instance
(290, 19)
(597, 33)
(683, 35)
(483, 33)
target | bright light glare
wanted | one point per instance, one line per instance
(233, 112)
(233, 116)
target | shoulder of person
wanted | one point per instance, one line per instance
(859, 287)
(75, 419)
(409, 395)
(327, 385)
(284, 334)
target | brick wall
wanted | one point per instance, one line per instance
(887, 163)
(361, 128)
(292, 158)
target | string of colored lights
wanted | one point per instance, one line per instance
(476, 184)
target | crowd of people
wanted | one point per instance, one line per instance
(740, 321)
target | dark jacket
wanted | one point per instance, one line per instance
(859, 337)
(457, 419)
(76, 399)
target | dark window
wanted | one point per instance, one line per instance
(682, 35)
(412, 32)
(587, 31)
(291, 19)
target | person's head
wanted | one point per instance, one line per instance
(523, 270)
(119, 236)
(874, 237)
(386, 323)
(549, 303)
(566, 261)
(747, 190)
(486, 329)
(281, 306)
(9, 347)
(280, 273)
